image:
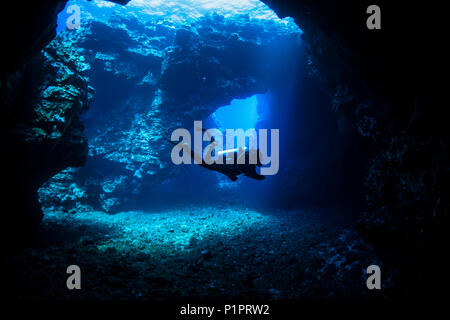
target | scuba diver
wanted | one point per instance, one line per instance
(232, 171)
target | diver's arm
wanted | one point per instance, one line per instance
(208, 156)
(187, 149)
(168, 140)
(211, 138)
(194, 155)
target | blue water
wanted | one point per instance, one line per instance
(241, 113)
(179, 12)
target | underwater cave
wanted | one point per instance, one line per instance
(101, 100)
(149, 67)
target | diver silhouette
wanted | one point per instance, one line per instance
(231, 170)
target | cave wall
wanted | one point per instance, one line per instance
(33, 93)
(152, 76)
(377, 81)
(44, 134)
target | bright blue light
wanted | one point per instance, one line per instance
(183, 12)
(62, 19)
(240, 114)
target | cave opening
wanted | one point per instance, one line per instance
(240, 113)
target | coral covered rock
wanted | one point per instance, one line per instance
(46, 135)
(151, 76)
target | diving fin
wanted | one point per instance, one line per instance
(232, 177)
(255, 176)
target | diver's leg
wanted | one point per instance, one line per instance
(232, 177)
(208, 156)
(254, 175)
(194, 155)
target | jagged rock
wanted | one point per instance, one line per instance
(382, 94)
(213, 62)
(46, 135)
(172, 75)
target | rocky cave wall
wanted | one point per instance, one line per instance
(152, 76)
(44, 133)
(33, 89)
(376, 79)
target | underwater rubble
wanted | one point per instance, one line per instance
(206, 253)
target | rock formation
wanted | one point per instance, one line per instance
(44, 134)
(156, 75)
